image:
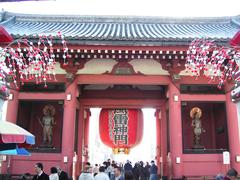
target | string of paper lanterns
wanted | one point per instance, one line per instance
(27, 61)
(216, 62)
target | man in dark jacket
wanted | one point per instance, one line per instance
(231, 174)
(128, 166)
(147, 170)
(153, 171)
(62, 174)
(40, 174)
(118, 173)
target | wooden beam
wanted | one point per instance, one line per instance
(122, 103)
(123, 79)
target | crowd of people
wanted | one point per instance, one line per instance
(56, 174)
(231, 175)
(111, 170)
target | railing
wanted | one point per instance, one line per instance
(195, 178)
(12, 176)
(204, 151)
(200, 178)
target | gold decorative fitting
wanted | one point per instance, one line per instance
(121, 150)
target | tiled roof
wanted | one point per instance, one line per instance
(122, 29)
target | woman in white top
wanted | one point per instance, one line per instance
(101, 175)
(86, 174)
(54, 174)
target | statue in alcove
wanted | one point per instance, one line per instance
(196, 114)
(47, 123)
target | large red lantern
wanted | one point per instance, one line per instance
(121, 129)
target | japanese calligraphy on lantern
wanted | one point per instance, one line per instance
(121, 129)
(120, 126)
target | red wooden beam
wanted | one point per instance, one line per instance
(123, 79)
(5, 37)
(235, 41)
(203, 97)
(122, 103)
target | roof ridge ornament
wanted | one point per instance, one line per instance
(116, 18)
(236, 20)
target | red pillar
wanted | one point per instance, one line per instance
(70, 106)
(233, 131)
(175, 129)
(158, 140)
(163, 140)
(11, 116)
(12, 107)
(80, 140)
(86, 134)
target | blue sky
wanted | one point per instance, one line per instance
(174, 8)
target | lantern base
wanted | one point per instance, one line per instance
(121, 150)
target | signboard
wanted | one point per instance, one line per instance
(235, 93)
(226, 157)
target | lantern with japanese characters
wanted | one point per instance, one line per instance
(121, 129)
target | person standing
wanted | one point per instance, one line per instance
(62, 174)
(26, 176)
(101, 175)
(147, 170)
(96, 170)
(231, 174)
(118, 173)
(40, 174)
(54, 174)
(136, 171)
(128, 175)
(128, 166)
(141, 170)
(153, 171)
(86, 174)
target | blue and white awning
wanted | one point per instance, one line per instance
(16, 151)
(12, 133)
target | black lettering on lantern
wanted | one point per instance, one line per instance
(120, 131)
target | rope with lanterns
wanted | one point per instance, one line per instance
(216, 62)
(27, 61)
